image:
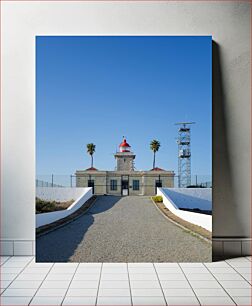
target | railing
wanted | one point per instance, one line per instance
(56, 180)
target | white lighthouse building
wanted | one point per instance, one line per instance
(125, 180)
(125, 158)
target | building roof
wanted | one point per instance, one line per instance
(157, 169)
(124, 144)
(91, 169)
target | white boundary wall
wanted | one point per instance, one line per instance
(80, 195)
(60, 194)
(202, 220)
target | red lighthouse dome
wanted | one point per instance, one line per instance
(124, 146)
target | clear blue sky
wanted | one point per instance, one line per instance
(97, 89)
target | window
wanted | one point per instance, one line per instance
(113, 184)
(135, 184)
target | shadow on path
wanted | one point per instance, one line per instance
(59, 245)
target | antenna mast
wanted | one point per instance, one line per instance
(184, 154)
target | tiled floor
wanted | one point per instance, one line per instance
(24, 282)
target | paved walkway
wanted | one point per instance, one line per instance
(24, 282)
(122, 229)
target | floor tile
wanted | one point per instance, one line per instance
(146, 292)
(210, 292)
(114, 284)
(18, 300)
(238, 259)
(180, 300)
(51, 292)
(47, 300)
(229, 276)
(94, 264)
(175, 284)
(220, 270)
(30, 270)
(30, 276)
(84, 276)
(68, 265)
(114, 292)
(78, 284)
(114, 264)
(204, 284)
(247, 277)
(59, 277)
(3, 259)
(243, 300)
(14, 264)
(21, 258)
(239, 291)
(19, 292)
(5, 283)
(172, 276)
(80, 300)
(166, 264)
(161, 270)
(221, 300)
(112, 270)
(148, 300)
(103, 300)
(140, 276)
(178, 292)
(201, 276)
(55, 284)
(145, 284)
(243, 270)
(235, 284)
(25, 284)
(195, 270)
(89, 270)
(192, 264)
(10, 276)
(140, 264)
(241, 264)
(9, 270)
(82, 292)
(118, 276)
(217, 264)
(143, 270)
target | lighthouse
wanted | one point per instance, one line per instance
(125, 157)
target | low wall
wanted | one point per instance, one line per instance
(191, 198)
(80, 195)
(202, 220)
(60, 194)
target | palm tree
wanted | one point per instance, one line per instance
(90, 151)
(154, 145)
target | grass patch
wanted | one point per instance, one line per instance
(54, 225)
(157, 199)
(43, 206)
(192, 228)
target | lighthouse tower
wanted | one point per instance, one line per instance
(125, 158)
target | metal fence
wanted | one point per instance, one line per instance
(55, 180)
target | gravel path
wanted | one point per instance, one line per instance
(127, 229)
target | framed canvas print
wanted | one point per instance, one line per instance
(123, 148)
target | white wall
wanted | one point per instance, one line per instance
(229, 24)
(60, 194)
(202, 220)
(190, 197)
(47, 218)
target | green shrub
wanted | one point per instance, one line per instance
(158, 199)
(45, 206)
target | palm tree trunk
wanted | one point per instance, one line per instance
(91, 161)
(154, 160)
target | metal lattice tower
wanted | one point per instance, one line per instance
(184, 154)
